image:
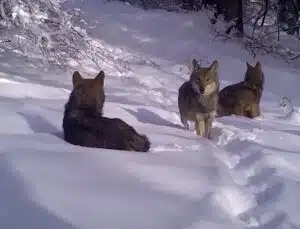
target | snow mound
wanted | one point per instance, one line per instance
(247, 176)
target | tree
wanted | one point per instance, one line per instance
(42, 28)
(240, 17)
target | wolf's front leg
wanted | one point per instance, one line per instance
(208, 125)
(200, 127)
(184, 123)
(239, 110)
(255, 110)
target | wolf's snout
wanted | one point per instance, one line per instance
(201, 89)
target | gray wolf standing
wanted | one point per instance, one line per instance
(198, 98)
(243, 98)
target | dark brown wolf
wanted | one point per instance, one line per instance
(84, 124)
(243, 99)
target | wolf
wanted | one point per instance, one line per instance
(85, 125)
(243, 98)
(198, 98)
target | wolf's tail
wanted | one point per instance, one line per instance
(140, 143)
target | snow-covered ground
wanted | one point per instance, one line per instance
(248, 176)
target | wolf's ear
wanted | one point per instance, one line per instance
(248, 65)
(195, 64)
(100, 78)
(258, 65)
(214, 67)
(77, 78)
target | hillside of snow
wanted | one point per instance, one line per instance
(248, 176)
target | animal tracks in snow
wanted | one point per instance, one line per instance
(259, 180)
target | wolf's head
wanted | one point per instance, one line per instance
(254, 75)
(88, 94)
(205, 80)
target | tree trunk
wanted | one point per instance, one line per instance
(265, 12)
(239, 21)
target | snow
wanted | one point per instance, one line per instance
(247, 176)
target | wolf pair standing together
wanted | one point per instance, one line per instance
(201, 101)
(85, 125)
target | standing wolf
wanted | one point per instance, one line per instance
(198, 98)
(243, 98)
(84, 124)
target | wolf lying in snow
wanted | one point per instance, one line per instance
(84, 124)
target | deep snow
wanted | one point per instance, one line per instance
(248, 176)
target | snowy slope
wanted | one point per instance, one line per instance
(248, 176)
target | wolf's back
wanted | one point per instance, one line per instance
(104, 133)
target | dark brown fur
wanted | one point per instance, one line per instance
(84, 124)
(243, 99)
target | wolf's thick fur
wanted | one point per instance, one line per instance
(198, 98)
(243, 98)
(84, 124)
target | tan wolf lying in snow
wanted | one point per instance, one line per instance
(198, 98)
(243, 98)
(84, 124)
